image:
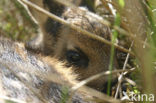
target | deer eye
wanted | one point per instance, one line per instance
(77, 58)
(73, 56)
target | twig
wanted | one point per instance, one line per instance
(124, 67)
(84, 32)
(130, 81)
(95, 77)
(98, 96)
(103, 21)
(100, 19)
(28, 11)
(105, 3)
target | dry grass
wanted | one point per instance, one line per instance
(133, 29)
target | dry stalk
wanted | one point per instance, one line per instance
(138, 24)
(92, 94)
(84, 32)
(96, 77)
(103, 21)
(120, 78)
(105, 3)
(130, 81)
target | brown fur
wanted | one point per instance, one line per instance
(58, 40)
(33, 79)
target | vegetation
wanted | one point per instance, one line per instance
(15, 21)
(133, 27)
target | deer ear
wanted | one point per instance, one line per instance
(46, 25)
(54, 7)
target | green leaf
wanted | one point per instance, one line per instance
(122, 3)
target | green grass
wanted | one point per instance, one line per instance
(15, 22)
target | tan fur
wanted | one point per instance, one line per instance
(33, 79)
(98, 53)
